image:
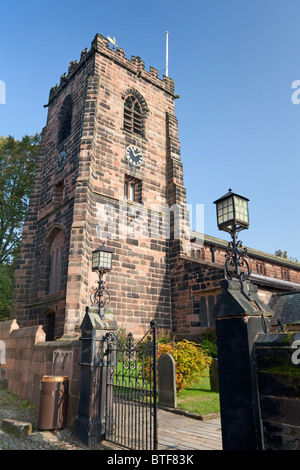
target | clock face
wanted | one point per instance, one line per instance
(134, 155)
(61, 161)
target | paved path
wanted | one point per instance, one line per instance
(175, 432)
(180, 432)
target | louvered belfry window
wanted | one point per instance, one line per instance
(65, 119)
(133, 119)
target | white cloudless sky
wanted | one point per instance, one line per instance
(233, 62)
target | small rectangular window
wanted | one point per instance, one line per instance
(260, 269)
(133, 189)
(58, 194)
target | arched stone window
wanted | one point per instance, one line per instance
(135, 111)
(56, 260)
(65, 119)
(203, 312)
(49, 324)
(211, 304)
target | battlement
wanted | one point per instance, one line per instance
(102, 46)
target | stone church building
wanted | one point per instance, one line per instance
(109, 171)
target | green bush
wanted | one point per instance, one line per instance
(209, 347)
(164, 336)
(210, 335)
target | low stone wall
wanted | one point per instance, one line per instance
(25, 357)
(278, 374)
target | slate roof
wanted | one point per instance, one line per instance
(286, 306)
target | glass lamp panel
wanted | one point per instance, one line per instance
(101, 260)
(220, 212)
(229, 214)
(225, 210)
(228, 209)
(108, 260)
(105, 260)
(229, 201)
(95, 260)
(241, 209)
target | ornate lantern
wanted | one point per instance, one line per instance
(232, 217)
(101, 263)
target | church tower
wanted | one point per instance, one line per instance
(109, 171)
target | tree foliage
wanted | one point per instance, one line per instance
(17, 167)
(283, 254)
(6, 286)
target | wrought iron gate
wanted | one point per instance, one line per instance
(131, 391)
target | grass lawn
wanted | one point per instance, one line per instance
(198, 398)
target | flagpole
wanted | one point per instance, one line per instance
(167, 53)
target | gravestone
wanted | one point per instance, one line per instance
(167, 395)
(213, 376)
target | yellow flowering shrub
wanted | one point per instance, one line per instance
(190, 360)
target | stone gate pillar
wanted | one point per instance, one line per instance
(240, 316)
(90, 420)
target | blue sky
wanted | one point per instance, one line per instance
(233, 63)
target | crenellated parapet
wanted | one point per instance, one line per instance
(101, 45)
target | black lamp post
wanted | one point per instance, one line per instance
(101, 263)
(233, 217)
